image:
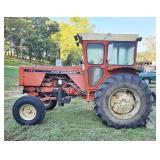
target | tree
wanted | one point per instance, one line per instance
(30, 37)
(150, 43)
(67, 43)
(41, 37)
(149, 54)
(14, 33)
(43, 29)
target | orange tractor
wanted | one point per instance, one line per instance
(108, 75)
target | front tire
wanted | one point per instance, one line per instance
(28, 110)
(123, 101)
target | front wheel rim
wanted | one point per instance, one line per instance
(124, 103)
(27, 112)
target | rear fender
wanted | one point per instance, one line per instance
(123, 69)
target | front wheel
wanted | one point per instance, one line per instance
(28, 110)
(123, 101)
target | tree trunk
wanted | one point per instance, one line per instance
(11, 53)
(30, 58)
(30, 54)
(46, 55)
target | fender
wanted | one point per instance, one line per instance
(129, 69)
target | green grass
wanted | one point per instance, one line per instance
(11, 72)
(71, 122)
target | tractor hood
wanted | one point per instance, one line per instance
(34, 75)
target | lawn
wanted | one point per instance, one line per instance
(75, 121)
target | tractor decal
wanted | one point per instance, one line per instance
(51, 71)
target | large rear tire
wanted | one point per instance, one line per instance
(28, 110)
(123, 101)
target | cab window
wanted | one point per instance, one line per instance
(95, 53)
(121, 53)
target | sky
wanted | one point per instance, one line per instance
(144, 26)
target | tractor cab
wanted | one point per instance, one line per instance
(106, 54)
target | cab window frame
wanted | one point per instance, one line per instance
(134, 53)
(103, 53)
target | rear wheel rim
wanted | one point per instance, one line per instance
(124, 103)
(27, 112)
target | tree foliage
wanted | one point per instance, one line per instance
(40, 38)
(150, 43)
(30, 37)
(149, 54)
(70, 53)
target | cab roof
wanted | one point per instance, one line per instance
(110, 37)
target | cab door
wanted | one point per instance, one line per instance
(94, 63)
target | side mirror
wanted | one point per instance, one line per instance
(76, 37)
